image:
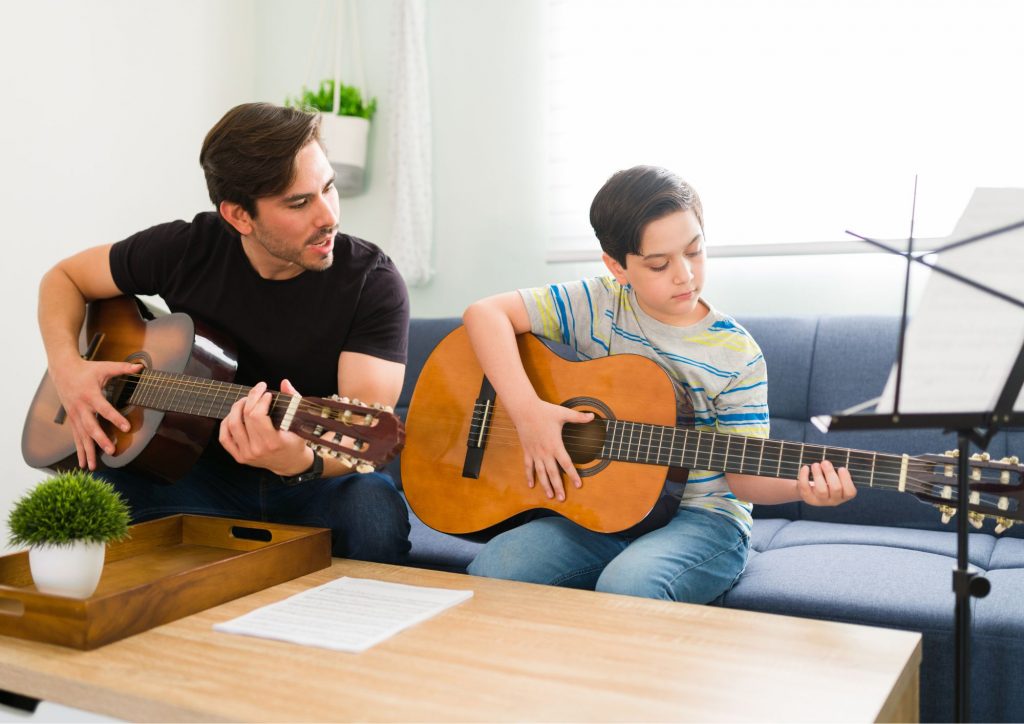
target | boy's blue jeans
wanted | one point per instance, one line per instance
(695, 558)
(366, 514)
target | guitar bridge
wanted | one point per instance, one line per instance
(478, 429)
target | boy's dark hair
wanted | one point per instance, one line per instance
(250, 152)
(633, 198)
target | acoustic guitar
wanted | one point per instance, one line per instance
(183, 390)
(462, 467)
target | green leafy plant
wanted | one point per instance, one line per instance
(350, 100)
(69, 506)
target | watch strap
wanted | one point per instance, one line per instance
(314, 472)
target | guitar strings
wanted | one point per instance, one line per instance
(882, 478)
(861, 462)
(184, 383)
(158, 382)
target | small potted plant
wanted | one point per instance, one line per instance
(66, 521)
(344, 132)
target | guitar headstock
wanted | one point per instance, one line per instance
(996, 487)
(364, 436)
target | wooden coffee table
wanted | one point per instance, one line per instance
(514, 651)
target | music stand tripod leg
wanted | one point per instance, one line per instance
(966, 583)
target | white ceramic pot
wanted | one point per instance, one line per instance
(345, 138)
(67, 570)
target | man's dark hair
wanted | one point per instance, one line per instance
(633, 198)
(250, 152)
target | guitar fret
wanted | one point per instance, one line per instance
(800, 462)
(874, 459)
(760, 458)
(672, 447)
(711, 451)
(725, 461)
(743, 455)
(661, 441)
(778, 471)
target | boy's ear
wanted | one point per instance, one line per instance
(237, 216)
(617, 270)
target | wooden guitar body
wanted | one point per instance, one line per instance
(163, 444)
(615, 495)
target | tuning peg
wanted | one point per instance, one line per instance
(947, 511)
(364, 467)
(982, 456)
(1003, 524)
(338, 398)
(384, 408)
(356, 401)
(952, 453)
(1011, 460)
(975, 519)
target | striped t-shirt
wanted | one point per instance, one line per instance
(714, 364)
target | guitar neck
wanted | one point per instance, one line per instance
(709, 450)
(171, 392)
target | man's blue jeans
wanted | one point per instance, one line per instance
(695, 558)
(365, 512)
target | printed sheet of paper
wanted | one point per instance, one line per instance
(962, 342)
(349, 614)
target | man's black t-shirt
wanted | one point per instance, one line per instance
(295, 328)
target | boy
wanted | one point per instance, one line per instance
(650, 226)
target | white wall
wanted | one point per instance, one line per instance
(485, 62)
(105, 106)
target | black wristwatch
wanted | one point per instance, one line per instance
(313, 472)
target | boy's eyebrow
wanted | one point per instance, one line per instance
(690, 243)
(299, 197)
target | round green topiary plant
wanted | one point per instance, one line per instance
(69, 506)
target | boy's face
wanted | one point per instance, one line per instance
(668, 273)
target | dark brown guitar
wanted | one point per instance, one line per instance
(462, 467)
(185, 388)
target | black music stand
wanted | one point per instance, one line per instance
(976, 427)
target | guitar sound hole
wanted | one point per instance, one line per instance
(583, 441)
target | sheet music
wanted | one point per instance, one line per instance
(349, 614)
(962, 342)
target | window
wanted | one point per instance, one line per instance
(794, 120)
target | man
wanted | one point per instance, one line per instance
(304, 304)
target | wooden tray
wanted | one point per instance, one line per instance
(169, 568)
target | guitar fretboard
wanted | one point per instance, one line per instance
(172, 392)
(711, 450)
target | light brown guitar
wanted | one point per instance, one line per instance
(462, 467)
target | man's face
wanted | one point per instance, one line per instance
(668, 273)
(294, 231)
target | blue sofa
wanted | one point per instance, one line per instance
(883, 559)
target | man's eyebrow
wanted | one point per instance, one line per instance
(300, 197)
(692, 241)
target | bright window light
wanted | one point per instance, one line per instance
(795, 121)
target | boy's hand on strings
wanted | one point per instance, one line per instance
(822, 484)
(544, 454)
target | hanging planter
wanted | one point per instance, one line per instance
(345, 138)
(345, 117)
(344, 130)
